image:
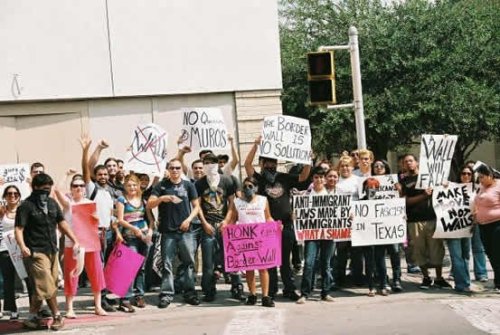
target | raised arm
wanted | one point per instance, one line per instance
(94, 158)
(235, 157)
(251, 155)
(61, 186)
(85, 142)
(304, 174)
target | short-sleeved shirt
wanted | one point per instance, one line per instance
(349, 186)
(104, 202)
(39, 228)
(136, 216)
(214, 203)
(170, 214)
(422, 211)
(278, 194)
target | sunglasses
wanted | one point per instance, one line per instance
(174, 167)
(466, 174)
(249, 186)
(14, 194)
(379, 166)
(78, 185)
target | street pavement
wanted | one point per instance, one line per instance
(414, 311)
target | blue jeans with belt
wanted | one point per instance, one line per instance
(311, 249)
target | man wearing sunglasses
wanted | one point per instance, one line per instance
(178, 206)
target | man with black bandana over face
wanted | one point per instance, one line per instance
(276, 187)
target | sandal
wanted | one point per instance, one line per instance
(70, 315)
(100, 312)
(126, 306)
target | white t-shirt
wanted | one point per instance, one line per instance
(349, 186)
(7, 226)
(251, 212)
(104, 204)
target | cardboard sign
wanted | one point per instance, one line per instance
(204, 128)
(322, 217)
(121, 269)
(16, 174)
(15, 254)
(453, 213)
(86, 225)
(378, 222)
(148, 151)
(287, 138)
(436, 153)
(387, 189)
(252, 246)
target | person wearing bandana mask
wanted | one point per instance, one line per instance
(276, 186)
(37, 220)
(216, 193)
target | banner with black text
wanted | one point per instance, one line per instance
(436, 153)
(204, 128)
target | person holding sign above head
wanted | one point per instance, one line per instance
(137, 234)
(427, 251)
(178, 206)
(276, 186)
(312, 247)
(12, 197)
(93, 264)
(486, 210)
(251, 208)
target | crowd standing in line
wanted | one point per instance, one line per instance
(197, 201)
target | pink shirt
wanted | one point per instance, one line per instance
(487, 203)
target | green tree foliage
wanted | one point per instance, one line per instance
(427, 67)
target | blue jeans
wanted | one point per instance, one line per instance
(311, 249)
(142, 248)
(459, 249)
(182, 245)
(478, 255)
(380, 266)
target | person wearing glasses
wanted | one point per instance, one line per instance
(93, 264)
(178, 206)
(12, 198)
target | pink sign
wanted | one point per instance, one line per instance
(85, 225)
(252, 246)
(121, 269)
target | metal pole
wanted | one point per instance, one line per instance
(356, 87)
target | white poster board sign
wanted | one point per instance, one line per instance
(453, 213)
(15, 254)
(204, 128)
(436, 153)
(386, 190)
(379, 222)
(287, 138)
(148, 151)
(16, 174)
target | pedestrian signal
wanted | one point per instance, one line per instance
(321, 78)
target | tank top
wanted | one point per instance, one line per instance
(7, 225)
(251, 212)
(133, 215)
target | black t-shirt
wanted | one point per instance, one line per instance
(422, 211)
(39, 228)
(214, 203)
(170, 214)
(278, 194)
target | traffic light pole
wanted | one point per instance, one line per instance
(356, 85)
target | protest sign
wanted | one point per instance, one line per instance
(252, 246)
(121, 269)
(386, 190)
(436, 153)
(86, 225)
(322, 217)
(148, 151)
(378, 222)
(16, 174)
(15, 254)
(287, 138)
(452, 207)
(204, 128)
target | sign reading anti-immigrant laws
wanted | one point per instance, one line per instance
(252, 246)
(378, 222)
(322, 217)
(204, 128)
(452, 207)
(436, 153)
(148, 151)
(287, 138)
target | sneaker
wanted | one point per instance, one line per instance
(126, 306)
(327, 298)
(483, 279)
(267, 302)
(58, 322)
(237, 292)
(252, 300)
(441, 283)
(301, 300)
(496, 290)
(193, 300)
(371, 293)
(139, 302)
(33, 323)
(426, 283)
(14, 315)
(383, 292)
(414, 269)
(291, 295)
(107, 307)
(396, 287)
(164, 303)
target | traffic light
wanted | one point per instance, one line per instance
(321, 78)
